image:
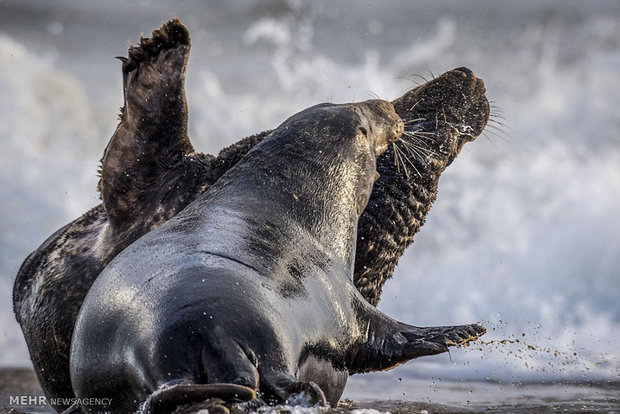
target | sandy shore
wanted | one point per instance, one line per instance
(449, 397)
(18, 382)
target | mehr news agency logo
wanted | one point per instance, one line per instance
(41, 400)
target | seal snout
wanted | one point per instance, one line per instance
(387, 126)
(398, 131)
(466, 72)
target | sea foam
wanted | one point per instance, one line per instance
(523, 236)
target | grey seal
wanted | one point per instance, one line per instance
(440, 117)
(252, 283)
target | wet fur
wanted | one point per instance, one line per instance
(253, 279)
(54, 280)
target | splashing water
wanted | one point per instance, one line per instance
(524, 233)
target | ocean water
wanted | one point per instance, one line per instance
(525, 233)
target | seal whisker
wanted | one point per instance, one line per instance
(396, 159)
(412, 164)
(416, 153)
(406, 160)
(403, 77)
(413, 106)
(403, 158)
(373, 94)
(421, 77)
(407, 78)
(501, 128)
(496, 110)
(499, 153)
(420, 140)
(423, 142)
(497, 115)
(399, 160)
(414, 120)
(500, 123)
(491, 131)
(445, 117)
(421, 133)
(420, 150)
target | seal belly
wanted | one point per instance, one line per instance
(201, 318)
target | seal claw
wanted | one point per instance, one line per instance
(436, 340)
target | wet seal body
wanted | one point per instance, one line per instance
(251, 284)
(149, 172)
(140, 193)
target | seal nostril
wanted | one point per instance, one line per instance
(364, 131)
(465, 70)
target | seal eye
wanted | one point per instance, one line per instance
(363, 131)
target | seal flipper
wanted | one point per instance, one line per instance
(213, 396)
(151, 137)
(286, 388)
(388, 343)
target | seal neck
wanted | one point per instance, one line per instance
(317, 192)
(324, 208)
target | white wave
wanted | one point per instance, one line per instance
(525, 234)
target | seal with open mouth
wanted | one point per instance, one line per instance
(53, 281)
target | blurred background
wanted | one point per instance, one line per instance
(525, 233)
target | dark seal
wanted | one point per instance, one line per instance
(141, 192)
(251, 284)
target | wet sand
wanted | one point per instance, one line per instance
(443, 396)
(16, 382)
(440, 396)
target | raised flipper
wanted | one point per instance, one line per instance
(287, 389)
(151, 138)
(193, 397)
(388, 343)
